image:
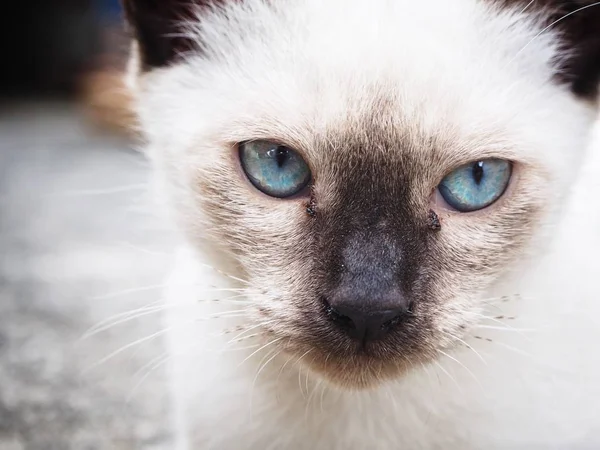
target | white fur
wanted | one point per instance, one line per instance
(312, 64)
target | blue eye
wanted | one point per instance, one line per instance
(276, 170)
(476, 185)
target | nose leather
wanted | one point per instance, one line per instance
(368, 300)
(366, 325)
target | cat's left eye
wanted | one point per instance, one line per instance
(274, 169)
(476, 185)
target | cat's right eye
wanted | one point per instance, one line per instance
(274, 169)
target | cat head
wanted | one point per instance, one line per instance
(370, 169)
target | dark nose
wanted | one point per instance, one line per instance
(366, 324)
(368, 300)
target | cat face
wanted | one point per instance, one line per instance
(369, 170)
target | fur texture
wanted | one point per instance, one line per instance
(383, 99)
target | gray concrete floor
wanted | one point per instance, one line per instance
(77, 228)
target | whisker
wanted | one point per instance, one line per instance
(447, 374)
(225, 313)
(232, 299)
(322, 397)
(253, 327)
(497, 307)
(490, 318)
(127, 318)
(426, 369)
(155, 364)
(263, 366)
(274, 341)
(159, 286)
(218, 316)
(152, 308)
(260, 369)
(300, 372)
(550, 26)
(245, 338)
(460, 364)
(516, 330)
(453, 336)
(504, 326)
(127, 347)
(119, 316)
(143, 250)
(527, 6)
(283, 366)
(307, 407)
(232, 349)
(300, 382)
(306, 379)
(105, 191)
(228, 290)
(130, 291)
(514, 349)
(225, 274)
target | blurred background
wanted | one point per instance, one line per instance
(82, 246)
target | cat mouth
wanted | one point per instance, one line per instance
(359, 372)
(356, 350)
(360, 365)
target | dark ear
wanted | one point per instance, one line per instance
(578, 23)
(579, 20)
(157, 27)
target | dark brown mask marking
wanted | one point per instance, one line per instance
(372, 243)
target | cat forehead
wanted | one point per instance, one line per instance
(297, 70)
(334, 54)
(172, 31)
(353, 41)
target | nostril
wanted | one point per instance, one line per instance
(337, 317)
(400, 317)
(365, 324)
(392, 322)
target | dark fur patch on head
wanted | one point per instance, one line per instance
(157, 27)
(578, 22)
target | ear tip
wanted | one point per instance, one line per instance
(156, 25)
(579, 24)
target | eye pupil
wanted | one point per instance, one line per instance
(281, 156)
(478, 172)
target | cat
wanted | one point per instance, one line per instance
(391, 242)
